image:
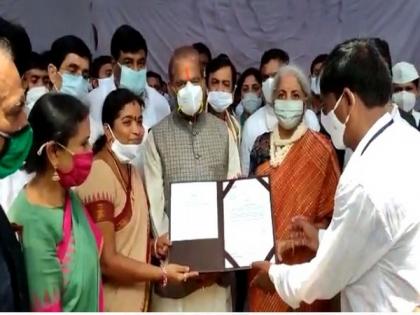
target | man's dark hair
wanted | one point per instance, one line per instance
(202, 49)
(318, 59)
(19, 41)
(219, 62)
(157, 76)
(274, 53)
(37, 61)
(97, 64)
(357, 65)
(384, 51)
(65, 45)
(127, 39)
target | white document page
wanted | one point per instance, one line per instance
(247, 222)
(194, 211)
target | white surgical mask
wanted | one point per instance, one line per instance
(125, 153)
(315, 85)
(251, 102)
(190, 99)
(33, 95)
(334, 126)
(267, 88)
(107, 83)
(219, 100)
(288, 112)
(405, 100)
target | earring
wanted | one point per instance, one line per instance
(55, 177)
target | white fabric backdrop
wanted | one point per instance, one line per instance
(241, 28)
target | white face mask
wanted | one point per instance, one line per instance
(33, 95)
(107, 83)
(190, 99)
(315, 85)
(288, 112)
(219, 101)
(405, 100)
(267, 88)
(334, 126)
(251, 102)
(125, 153)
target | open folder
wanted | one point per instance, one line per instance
(219, 226)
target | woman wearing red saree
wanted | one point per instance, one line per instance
(304, 174)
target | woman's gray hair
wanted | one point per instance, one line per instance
(299, 75)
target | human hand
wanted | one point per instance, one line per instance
(178, 273)
(161, 247)
(262, 279)
(305, 233)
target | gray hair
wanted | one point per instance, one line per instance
(297, 73)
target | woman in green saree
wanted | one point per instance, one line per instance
(61, 244)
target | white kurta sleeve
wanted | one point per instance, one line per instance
(356, 239)
(154, 187)
(234, 167)
(311, 120)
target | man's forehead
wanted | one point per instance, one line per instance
(133, 55)
(187, 68)
(72, 58)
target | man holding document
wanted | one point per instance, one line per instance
(188, 145)
(370, 251)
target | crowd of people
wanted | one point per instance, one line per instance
(89, 149)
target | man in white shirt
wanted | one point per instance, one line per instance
(370, 251)
(129, 50)
(264, 120)
(405, 83)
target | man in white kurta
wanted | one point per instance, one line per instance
(370, 252)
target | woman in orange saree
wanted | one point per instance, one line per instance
(304, 174)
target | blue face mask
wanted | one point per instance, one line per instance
(75, 85)
(133, 80)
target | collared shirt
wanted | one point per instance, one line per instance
(11, 186)
(262, 121)
(370, 251)
(395, 113)
(416, 115)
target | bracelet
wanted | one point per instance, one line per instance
(164, 277)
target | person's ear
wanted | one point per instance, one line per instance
(54, 76)
(52, 154)
(349, 97)
(116, 70)
(95, 83)
(172, 89)
(108, 134)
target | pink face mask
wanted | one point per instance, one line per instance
(82, 163)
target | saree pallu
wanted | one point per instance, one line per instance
(303, 184)
(61, 249)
